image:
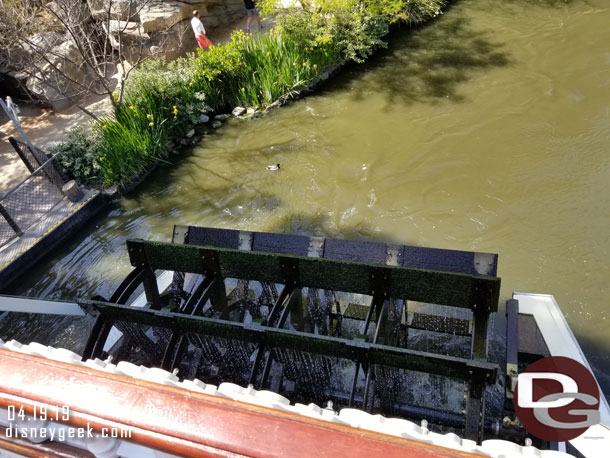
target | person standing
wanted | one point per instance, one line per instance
(202, 39)
(252, 12)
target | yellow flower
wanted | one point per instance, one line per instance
(304, 64)
(190, 84)
(105, 126)
(131, 107)
(151, 124)
(243, 89)
(315, 66)
(268, 53)
(101, 158)
(149, 116)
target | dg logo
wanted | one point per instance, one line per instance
(557, 399)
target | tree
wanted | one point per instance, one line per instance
(70, 49)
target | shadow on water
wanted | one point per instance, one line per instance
(428, 65)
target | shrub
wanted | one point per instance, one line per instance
(356, 26)
(79, 154)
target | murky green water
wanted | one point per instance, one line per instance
(488, 130)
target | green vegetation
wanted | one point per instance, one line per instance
(162, 101)
(79, 155)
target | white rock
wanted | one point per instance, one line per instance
(221, 117)
(238, 111)
(41, 42)
(159, 14)
(216, 124)
(204, 118)
(70, 12)
(125, 10)
(251, 110)
(272, 106)
(123, 33)
(68, 60)
(190, 133)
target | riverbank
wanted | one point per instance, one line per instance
(46, 127)
(163, 103)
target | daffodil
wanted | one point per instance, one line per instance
(149, 116)
(151, 124)
(131, 107)
(304, 64)
(315, 66)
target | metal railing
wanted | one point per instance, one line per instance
(31, 157)
(28, 201)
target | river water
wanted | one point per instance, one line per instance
(488, 130)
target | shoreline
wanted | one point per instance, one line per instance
(46, 127)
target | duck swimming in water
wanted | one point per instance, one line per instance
(273, 167)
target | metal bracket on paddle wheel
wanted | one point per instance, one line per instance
(289, 268)
(138, 258)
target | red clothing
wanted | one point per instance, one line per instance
(203, 41)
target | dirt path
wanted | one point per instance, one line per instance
(46, 127)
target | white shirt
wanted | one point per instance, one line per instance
(197, 27)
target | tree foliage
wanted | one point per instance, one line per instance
(357, 26)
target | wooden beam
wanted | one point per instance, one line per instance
(363, 352)
(445, 288)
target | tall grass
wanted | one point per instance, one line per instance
(275, 66)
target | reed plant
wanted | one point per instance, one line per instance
(276, 66)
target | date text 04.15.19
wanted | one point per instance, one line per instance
(51, 413)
